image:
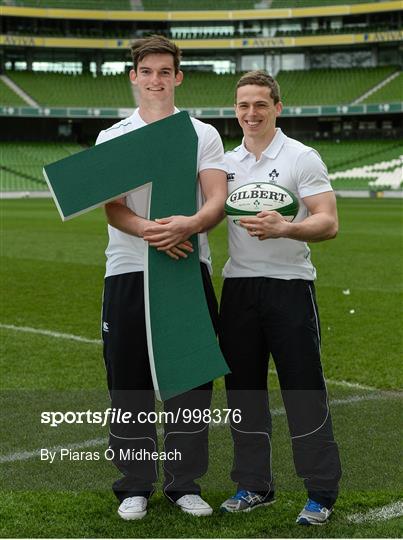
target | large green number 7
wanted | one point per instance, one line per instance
(182, 346)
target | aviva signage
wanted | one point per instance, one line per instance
(197, 44)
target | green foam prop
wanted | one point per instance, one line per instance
(182, 345)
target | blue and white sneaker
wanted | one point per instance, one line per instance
(245, 501)
(314, 513)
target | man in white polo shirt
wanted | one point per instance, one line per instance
(155, 75)
(268, 307)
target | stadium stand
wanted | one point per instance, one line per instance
(355, 162)
(8, 97)
(341, 155)
(329, 86)
(21, 163)
(207, 89)
(391, 92)
(59, 89)
(21, 168)
(357, 165)
(380, 176)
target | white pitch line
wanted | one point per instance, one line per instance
(357, 399)
(280, 411)
(383, 513)
(49, 333)
(346, 384)
(72, 337)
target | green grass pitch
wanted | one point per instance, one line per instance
(52, 277)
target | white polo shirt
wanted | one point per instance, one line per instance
(298, 168)
(125, 253)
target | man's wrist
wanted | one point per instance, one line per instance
(139, 226)
(196, 224)
(289, 230)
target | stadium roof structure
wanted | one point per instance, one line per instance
(239, 41)
(63, 38)
(50, 9)
(319, 6)
(219, 11)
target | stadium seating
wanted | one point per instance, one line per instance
(329, 86)
(207, 89)
(21, 163)
(315, 87)
(57, 89)
(356, 157)
(202, 89)
(343, 155)
(391, 92)
(374, 165)
(8, 97)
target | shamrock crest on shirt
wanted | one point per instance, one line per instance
(273, 176)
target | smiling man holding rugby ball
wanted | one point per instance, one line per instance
(268, 305)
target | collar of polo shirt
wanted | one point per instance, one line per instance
(270, 152)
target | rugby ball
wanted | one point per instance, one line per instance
(250, 199)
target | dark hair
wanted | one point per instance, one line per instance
(155, 45)
(260, 78)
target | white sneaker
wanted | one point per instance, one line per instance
(194, 504)
(133, 508)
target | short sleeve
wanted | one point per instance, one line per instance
(311, 174)
(102, 137)
(211, 151)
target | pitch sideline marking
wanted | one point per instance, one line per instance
(357, 386)
(382, 513)
(22, 456)
(81, 339)
(348, 384)
(49, 333)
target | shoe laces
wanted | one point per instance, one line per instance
(313, 506)
(193, 499)
(133, 501)
(242, 494)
